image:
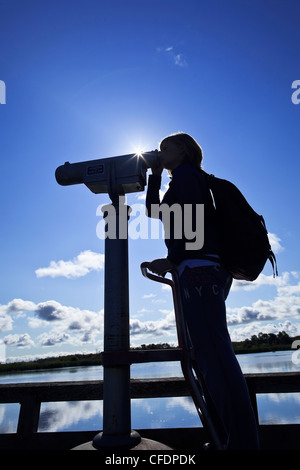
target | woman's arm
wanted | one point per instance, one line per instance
(152, 197)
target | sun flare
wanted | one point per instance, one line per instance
(138, 151)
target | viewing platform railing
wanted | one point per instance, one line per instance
(31, 395)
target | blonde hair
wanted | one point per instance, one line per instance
(193, 151)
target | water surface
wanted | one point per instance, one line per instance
(149, 413)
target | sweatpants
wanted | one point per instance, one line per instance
(203, 291)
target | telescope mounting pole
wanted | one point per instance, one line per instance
(117, 431)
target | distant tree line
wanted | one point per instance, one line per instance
(264, 342)
(257, 343)
(153, 346)
(70, 360)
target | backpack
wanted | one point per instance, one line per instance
(244, 242)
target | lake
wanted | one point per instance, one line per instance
(156, 412)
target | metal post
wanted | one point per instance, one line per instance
(116, 388)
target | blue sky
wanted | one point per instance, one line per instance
(92, 79)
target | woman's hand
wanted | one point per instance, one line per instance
(161, 266)
(158, 168)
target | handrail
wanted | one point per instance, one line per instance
(189, 366)
(31, 395)
(182, 340)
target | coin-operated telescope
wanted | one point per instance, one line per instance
(115, 176)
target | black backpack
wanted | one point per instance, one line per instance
(244, 243)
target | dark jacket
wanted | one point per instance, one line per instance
(188, 186)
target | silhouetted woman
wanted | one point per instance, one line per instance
(204, 284)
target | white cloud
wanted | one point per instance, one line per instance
(275, 243)
(144, 310)
(263, 280)
(54, 339)
(85, 262)
(21, 341)
(61, 416)
(69, 324)
(149, 296)
(177, 58)
(52, 311)
(65, 324)
(20, 305)
(281, 309)
(159, 327)
(245, 332)
(278, 308)
(16, 308)
(6, 323)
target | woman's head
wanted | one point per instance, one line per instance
(180, 148)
